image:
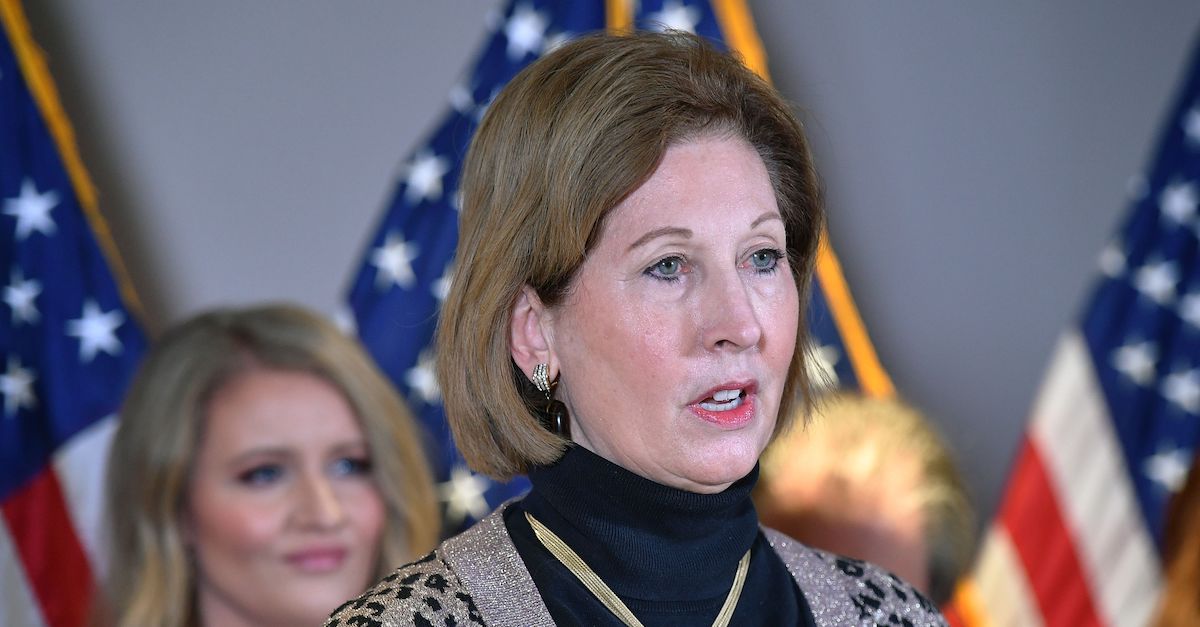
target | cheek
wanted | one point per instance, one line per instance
(782, 321)
(233, 528)
(368, 514)
(602, 323)
(642, 343)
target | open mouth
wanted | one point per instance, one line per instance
(724, 400)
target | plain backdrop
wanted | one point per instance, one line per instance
(976, 156)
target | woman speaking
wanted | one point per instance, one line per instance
(640, 222)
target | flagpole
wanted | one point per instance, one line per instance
(41, 86)
(618, 15)
(737, 25)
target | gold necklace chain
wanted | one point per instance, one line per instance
(601, 591)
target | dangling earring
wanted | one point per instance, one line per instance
(554, 415)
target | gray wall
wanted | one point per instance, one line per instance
(976, 157)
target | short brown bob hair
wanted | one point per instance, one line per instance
(151, 579)
(563, 144)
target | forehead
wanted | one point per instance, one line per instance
(699, 182)
(273, 407)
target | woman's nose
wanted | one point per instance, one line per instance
(731, 320)
(319, 505)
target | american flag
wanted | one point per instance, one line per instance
(68, 347)
(405, 271)
(1115, 427)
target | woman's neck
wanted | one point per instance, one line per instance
(643, 538)
(216, 610)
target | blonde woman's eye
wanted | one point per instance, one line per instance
(263, 475)
(349, 466)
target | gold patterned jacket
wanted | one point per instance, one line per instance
(478, 578)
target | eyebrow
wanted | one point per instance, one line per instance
(687, 233)
(764, 217)
(285, 451)
(336, 445)
(351, 446)
(656, 233)
(264, 451)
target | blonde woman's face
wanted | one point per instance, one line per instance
(675, 340)
(283, 517)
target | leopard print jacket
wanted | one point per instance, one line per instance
(477, 579)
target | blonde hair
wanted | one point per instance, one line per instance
(562, 145)
(856, 441)
(150, 578)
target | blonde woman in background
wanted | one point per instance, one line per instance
(263, 471)
(872, 479)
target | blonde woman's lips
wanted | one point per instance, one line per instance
(317, 560)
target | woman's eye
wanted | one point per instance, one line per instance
(261, 475)
(348, 466)
(765, 260)
(668, 269)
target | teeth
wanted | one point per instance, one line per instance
(737, 400)
(726, 395)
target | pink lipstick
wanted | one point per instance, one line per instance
(317, 560)
(730, 405)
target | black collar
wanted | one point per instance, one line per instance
(644, 539)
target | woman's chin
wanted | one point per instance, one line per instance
(716, 475)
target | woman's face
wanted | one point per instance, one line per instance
(283, 517)
(675, 340)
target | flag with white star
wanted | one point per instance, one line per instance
(68, 347)
(406, 270)
(1116, 425)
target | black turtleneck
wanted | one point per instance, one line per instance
(669, 554)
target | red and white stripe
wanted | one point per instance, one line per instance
(50, 553)
(1069, 546)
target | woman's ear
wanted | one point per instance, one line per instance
(528, 340)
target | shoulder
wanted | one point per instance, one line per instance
(837, 587)
(425, 592)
